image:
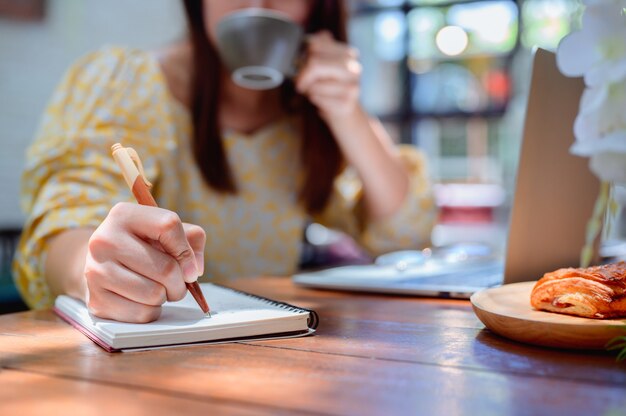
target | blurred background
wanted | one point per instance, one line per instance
(447, 76)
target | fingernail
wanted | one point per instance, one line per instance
(200, 263)
(190, 271)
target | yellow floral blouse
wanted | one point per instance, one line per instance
(120, 94)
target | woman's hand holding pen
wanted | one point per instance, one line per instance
(139, 257)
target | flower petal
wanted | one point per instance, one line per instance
(614, 142)
(576, 53)
(586, 129)
(606, 72)
(609, 167)
(593, 98)
(602, 19)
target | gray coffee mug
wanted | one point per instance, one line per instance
(259, 47)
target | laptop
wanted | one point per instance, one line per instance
(554, 197)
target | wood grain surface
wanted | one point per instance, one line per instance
(372, 355)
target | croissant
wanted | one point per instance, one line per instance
(593, 292)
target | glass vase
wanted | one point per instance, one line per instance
(607, 225)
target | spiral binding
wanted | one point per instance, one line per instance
(312, 322)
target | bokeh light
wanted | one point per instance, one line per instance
(451, 40)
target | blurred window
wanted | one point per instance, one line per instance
(439, 73)
(381, 40)
(484, 27)
(547, 21)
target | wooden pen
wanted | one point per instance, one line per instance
(132, 169)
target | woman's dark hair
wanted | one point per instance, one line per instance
(321, 157)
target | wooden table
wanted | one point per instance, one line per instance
(379, 355)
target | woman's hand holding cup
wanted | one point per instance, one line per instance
(330, 76)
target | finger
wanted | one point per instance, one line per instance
(331, 48)
(319, 67)
(197, 240)
(337, 89)
(324, 100)
(330, 105)
(152, 263)
(133, 286)
(163, 226)
(323, 35)
(172, 237)
(144, 257)
(108, 305)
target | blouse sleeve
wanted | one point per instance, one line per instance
(70, 179)
(409, 228)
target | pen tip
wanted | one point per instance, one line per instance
(208, 313)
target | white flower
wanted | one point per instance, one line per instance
(598, 52)
(609, 166)
(601, 122)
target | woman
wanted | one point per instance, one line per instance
(248, 167)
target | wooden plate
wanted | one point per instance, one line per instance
(506, 311)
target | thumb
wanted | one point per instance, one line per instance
(197, 239)
(163, 226)
(174, 242)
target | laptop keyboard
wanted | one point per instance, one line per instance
(478, 278)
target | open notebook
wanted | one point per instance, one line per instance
(235, 316)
